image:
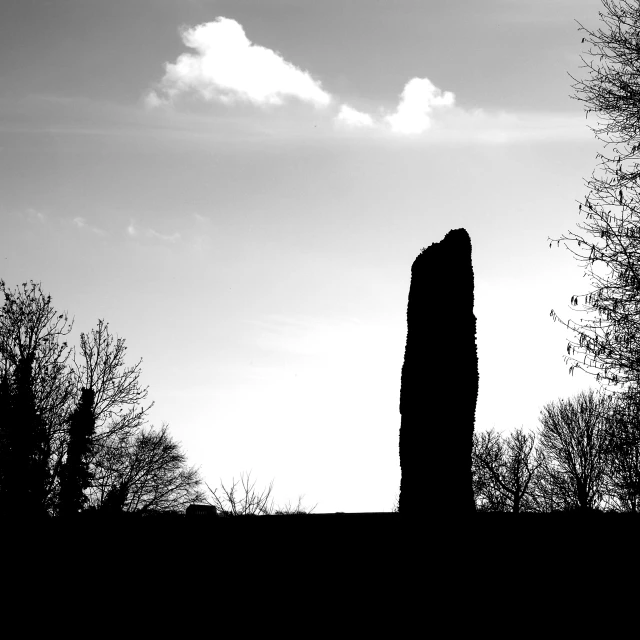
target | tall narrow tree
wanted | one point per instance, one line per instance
(6, 421)
(27, 451)
(439, 386)
(75, 477)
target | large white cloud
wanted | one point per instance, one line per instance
(227, 67)
(417, 100)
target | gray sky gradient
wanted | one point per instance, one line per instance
(258, 256)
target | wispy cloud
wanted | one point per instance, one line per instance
(174, 237)
(227, 67)
(81, 223)
(33, 215)
(136, 232)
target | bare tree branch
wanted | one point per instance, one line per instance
(610, 341)
(250, 504)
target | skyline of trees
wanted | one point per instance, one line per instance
(585, 454)
(74, 431)
(70, 421)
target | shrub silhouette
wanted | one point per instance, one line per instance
(439, 386)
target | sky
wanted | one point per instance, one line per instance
(240, 188)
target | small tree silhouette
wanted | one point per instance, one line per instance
(251, 504)
(574, 442)
(504, 470)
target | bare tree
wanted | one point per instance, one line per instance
(146, 471)
(118, 394)
(623, 468)
(487, 456)
(505, 468)
(574, 443)
(250, 504)
(611, 91)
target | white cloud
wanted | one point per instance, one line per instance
(353, 118)
(227, 67)
(417, 100)
(81, 223)
(413, 115)
(136, 232)
(168, 238)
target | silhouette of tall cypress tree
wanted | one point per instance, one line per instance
(439, 386)
(75, 477)
(6, 420)
(26, 452)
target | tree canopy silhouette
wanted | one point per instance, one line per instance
(574, 443)
(609, 248)
(142, 472)
(504, 470)
(67, 417)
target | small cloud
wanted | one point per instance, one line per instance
(136, 232)
(81, 223)
(417, 100)
(167, 238)
(353, 118)
(227, 67)
(36, 216)
(152, 100)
